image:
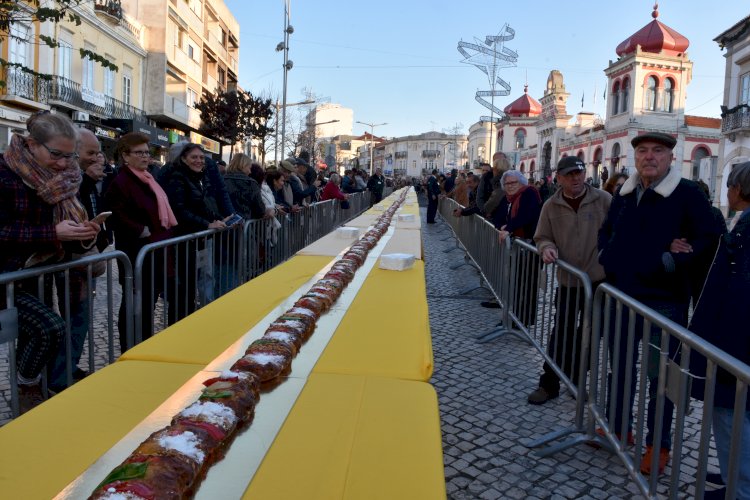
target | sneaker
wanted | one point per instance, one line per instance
(719, 494)
(601, 432)
(29, 397)
(646, 460)
(541, 396)
(714, 479)
(490, 304)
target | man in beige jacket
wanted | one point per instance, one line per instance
(567, 230)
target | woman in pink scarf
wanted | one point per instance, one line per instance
(141, 214)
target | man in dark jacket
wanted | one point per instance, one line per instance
(375, 185)
(433, 192)
(655, 230)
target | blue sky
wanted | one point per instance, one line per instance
(397, 62)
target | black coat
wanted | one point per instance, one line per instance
(244, 192)
(635, 237)
(191, 197)
(721, 315)
(523, 224)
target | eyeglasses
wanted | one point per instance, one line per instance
(58, 155)
(142, 154)
(511, 183)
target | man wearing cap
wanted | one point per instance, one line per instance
(308, 183)
(657, 228)
(567, 230)
(287, 191)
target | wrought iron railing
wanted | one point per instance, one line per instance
(27, 85)
(110, 7)
(68, 91)
(735, 118)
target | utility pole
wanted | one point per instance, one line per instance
(372, 139)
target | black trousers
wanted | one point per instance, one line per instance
(432, 206)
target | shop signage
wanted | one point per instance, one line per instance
(174, 137)
(105, 132)
(208, 144)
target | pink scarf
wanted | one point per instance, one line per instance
(166, 216)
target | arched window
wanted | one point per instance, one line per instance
(652, 86)
(668, 101)
(581, 156)
(522, 168)
(500, 137)
(520, 138)
(625, 95)
(616, 98)
(698, 154)
(532, 167)
(615, 156)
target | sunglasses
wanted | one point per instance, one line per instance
(57, 155)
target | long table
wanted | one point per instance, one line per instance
(363, 423)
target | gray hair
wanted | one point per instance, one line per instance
(740, 177)
(45, 126)
(175, 150)
(514, 173)
(335, 178)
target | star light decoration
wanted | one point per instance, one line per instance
(490, 56)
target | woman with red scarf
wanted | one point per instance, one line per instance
(41, 222)
(517, 216)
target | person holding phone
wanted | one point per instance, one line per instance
(41, 222)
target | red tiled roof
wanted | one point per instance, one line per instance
(702, 121)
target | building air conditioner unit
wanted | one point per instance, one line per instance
(80, 116)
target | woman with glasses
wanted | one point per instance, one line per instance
(41, 222)
(141, 214)
(517, 217)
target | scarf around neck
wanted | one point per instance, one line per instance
(166, 216)
(55, 186)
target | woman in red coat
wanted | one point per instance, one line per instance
(332, 191)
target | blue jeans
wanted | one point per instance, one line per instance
(722, 426)
(677, 313)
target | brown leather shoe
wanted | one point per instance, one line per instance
(29, 397)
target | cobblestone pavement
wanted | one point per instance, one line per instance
(482, 391)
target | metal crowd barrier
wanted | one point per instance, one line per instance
(68, 288)
(190, 271)
(611, 347)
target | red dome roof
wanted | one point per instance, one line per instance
(654, 37)
(524, 105)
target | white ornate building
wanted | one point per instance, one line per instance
(646, 86)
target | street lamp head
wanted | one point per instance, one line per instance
(290, 29)
(289, 65)
(281, 46)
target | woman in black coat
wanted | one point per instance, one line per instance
(243, 189)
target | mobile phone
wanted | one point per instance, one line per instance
(101, 217)
(233, 219)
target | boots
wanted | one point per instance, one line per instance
(29, 396)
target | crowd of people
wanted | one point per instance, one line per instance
(653, 235)
(61, 199)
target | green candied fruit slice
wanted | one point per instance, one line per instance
(209, 394)
(125, 472)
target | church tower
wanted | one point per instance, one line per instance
(647, 82)
(552, 122)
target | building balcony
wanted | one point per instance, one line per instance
(69, 94)
(430, 153)
(211, 84)
(112, 9)
(216, 45)
(24, 88)
(400, 155)
(181, 60)
(735, 121)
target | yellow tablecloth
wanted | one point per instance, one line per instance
(205, 334)
(50, 446)
(355, 437)
(369, 219)
(386, 330)
(403, 241)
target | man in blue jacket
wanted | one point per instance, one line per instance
(658, 227)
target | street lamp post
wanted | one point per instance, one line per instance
(372, 139)
(313, 127)
(276, 131)
(284, 46)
